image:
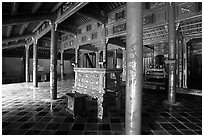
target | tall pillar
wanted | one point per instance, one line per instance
(77, 57)
(172, 55)
(53, 63)
(35, 63)
(124, 65)
(134, 39)
(27, 63)
(62, 65)
(185, 57)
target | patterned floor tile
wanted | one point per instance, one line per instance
(28, 111)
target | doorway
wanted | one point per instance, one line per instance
(195, 64)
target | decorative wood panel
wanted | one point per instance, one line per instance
(188, 9)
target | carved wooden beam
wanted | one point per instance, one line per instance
(36, 28)
(17, 38)
(24, 26)
(36, 7)
(56, 6)
(39, 35)
(43, 32)
(71, 11)
(14, 45)
(25, 19)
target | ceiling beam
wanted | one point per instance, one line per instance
(23, 28)
(25, 19)
(71, 11)
(17, 38)
(36, 28)
(56, 7)
(36, 7)
(9, 29)
(14, 45)
(42, 33)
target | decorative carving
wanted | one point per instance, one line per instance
(187, 9)
(156, 4)
(67, 6)
(119, 28)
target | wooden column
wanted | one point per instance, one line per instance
(172, 55)
(124, 65)
(180, 62)
(134, 39)
(27, 75)
(53, 63)
(35, 63)
(185, 57)
(62, 65)
(77, 57)
(105, 54)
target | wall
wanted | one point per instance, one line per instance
(13, 66)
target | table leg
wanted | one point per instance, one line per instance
(100, 107)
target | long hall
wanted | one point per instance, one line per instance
(113, 68)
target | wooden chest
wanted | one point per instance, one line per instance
(76, 104)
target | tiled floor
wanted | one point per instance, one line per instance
(28, 111)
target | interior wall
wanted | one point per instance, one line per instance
(13, 66)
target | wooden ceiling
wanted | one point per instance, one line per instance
(20, 20)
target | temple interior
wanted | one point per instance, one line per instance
(101, 68)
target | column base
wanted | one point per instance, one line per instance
(171, 104)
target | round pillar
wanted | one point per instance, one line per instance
(35, 63)
(134, 39)
(53, 63)
(172, 55)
